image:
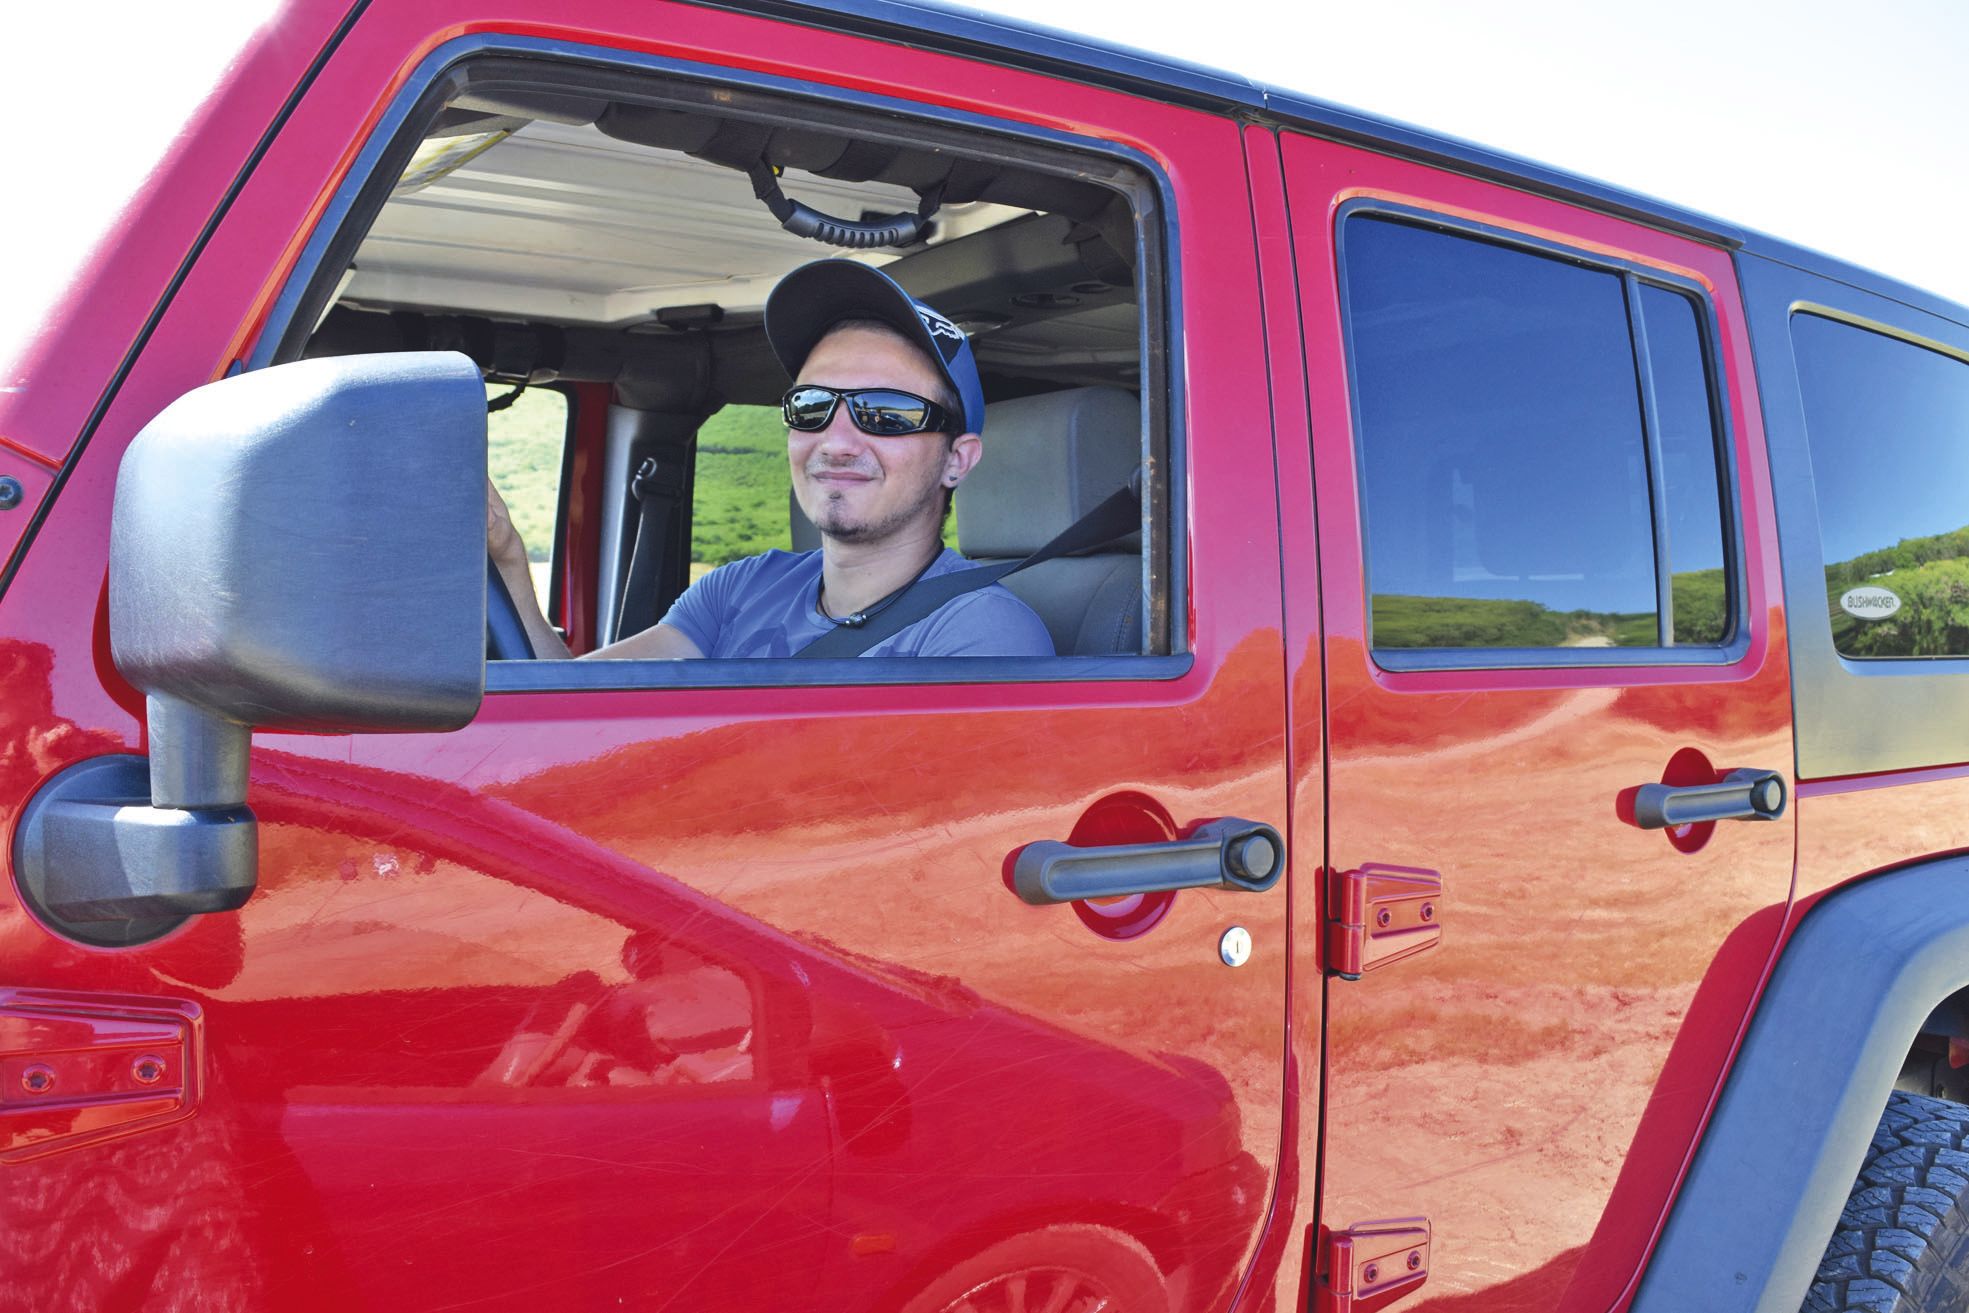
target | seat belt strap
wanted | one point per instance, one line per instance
(658, 487)
(1116, 517)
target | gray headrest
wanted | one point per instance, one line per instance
(1048, 460)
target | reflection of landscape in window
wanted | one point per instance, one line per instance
(1887, 420)
(1508, 495)
(1930, 577)
(1401, 621)
(1701, 600)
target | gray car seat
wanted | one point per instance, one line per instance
(1048, 461)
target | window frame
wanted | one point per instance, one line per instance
(1133, 173)
(1634, 274)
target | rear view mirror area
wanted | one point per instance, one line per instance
(300, 548)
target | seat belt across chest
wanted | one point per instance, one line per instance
(1116, 517)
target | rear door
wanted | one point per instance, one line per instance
(710, 994)
(1549, 579)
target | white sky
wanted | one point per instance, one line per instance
(1835, 125)
(1840, 126)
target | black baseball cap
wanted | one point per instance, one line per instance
(815, 297)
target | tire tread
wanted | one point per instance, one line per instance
(1903, 1240)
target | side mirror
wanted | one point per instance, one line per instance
(301, 548)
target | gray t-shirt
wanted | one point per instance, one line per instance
(763, 606)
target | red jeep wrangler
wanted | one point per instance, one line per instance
(1487, 840)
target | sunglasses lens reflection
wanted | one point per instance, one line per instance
(888, 413)
(808, 409)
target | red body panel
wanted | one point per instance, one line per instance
(34, 478)
(685, 998)
(1532, 1086)
(581, 538)
(1289, 1237)
(718, 998)
(1856, 826)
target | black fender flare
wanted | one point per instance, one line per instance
(1863, 971)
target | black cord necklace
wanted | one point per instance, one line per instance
(867, 613)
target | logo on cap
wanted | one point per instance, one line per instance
(937, 325)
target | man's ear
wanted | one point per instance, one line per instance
(965, 452)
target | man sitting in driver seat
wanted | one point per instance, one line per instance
(882, 424)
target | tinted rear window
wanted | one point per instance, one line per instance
(1888, 424)
(1507, 486)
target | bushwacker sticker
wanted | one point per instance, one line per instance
(1869, 603)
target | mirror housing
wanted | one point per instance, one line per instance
(303, 548)
(299, 548)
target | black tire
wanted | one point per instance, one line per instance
(1903, 1241)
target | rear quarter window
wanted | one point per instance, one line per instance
(1887, 421)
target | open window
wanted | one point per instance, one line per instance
(597, 231)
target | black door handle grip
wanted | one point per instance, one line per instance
(1742, 795)
(1223, 854)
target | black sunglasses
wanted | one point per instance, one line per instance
(883, 412)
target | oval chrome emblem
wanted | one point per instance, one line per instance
(1869, 603)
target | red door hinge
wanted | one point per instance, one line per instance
(76, 1069)
(1381, 914)
(1372, 1264)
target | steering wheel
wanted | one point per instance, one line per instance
(505, 632)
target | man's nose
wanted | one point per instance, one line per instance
(841, 437)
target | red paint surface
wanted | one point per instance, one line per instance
(1279, 1270)
(1855, 827)
(708, 998)
(687, 999)
(1890, 779)
(582, 535)
(34, 478)
(1533, 1085)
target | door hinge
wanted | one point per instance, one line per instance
(79, 1068)
(1378, 915)
(1372, 1264)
